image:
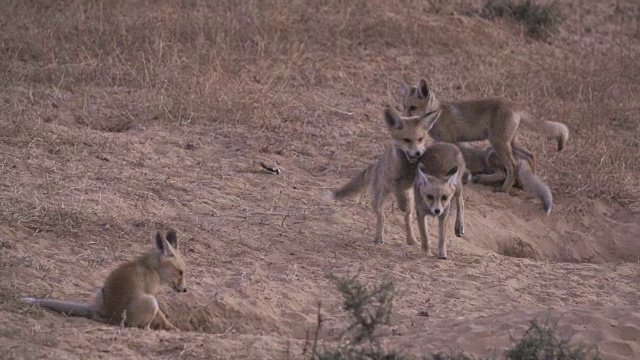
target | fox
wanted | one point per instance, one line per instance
(439, 179)
(494, 119)
(127, 296)
(486, 168)
(394, 171)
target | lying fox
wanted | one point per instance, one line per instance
(496, 120)
(438, 179)
(486, 168)
(127, 296)
(394, 171)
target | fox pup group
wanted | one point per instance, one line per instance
(393, 173)
(127, 296)
(438, 172)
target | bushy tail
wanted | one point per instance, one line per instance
(550, 129)
(69, 308)
(531, 182)
(353, 186)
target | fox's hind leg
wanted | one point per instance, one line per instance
(459, 228)
(379, 197)
(524, 154)
(405, 203)
(142, 311)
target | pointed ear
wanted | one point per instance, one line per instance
(404, 88)
(452, 176)
(422, 178)
(429, 119)
(163, 245)
(423, 89)
(172, 239)
(392, 119)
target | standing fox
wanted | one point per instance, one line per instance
(394, 171)
(127, 296)
(438, 179)
(486, 168)
(495, 120)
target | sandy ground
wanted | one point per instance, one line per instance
(84, 188)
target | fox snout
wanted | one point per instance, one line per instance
(436, 211)
(413, 155)
(180, 287)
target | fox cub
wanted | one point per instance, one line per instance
(438, 179)
(394, 170)
(486, 168)
(127, 296)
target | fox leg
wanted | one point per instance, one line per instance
(459, 214)
(524, 154)
(424, 235)
(98, 304)
(503, 150)
(405, 203)
(487, 179)
(165, 322)
(141, 311)
(379, 196)
(442, 228)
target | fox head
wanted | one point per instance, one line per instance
(171, 265)
(436, 193)
(417, 99)
(410, 134)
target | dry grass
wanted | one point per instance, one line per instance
(269, 66)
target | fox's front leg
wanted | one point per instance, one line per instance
(459, 214)
(165, 322)
(442, 228)
(405, 203)
(422, 227)
(379, 197)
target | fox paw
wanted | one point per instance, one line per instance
(459, 230)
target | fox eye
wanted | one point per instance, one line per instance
(180, 272)
(444, 197)
(412, 108)
(430, 197)
(407, 140)
(420, 140)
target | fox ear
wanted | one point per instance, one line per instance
(404, 88)
(429, 119)
(172, 239)
(392, 119)
(452, 176)
(423, 89)
(163, 245)
(422, 177)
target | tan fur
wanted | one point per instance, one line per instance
(127, 296)
(394, 170)
(438, 179)
(495, 120)
(486, 168)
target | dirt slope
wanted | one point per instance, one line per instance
(119, 120)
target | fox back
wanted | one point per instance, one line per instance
(439, 177)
